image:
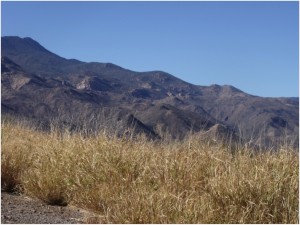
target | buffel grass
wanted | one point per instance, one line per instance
(138, 181)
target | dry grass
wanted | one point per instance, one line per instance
(137, 181)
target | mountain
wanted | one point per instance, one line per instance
(45, 87)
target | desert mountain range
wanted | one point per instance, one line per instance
(44, 87)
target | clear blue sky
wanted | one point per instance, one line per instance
(250, 45)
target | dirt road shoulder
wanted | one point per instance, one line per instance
(22, 209)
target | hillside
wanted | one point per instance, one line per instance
(44, 87)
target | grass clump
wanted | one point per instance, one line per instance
(16, 154)
(138, 181)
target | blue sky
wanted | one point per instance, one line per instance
(250, 45)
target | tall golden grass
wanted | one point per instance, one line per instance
(139, 181)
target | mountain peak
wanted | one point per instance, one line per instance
(32, 56)
(23, 44)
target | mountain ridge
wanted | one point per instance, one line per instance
(68, 84)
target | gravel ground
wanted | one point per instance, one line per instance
(22, 209)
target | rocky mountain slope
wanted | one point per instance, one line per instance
(45, 87)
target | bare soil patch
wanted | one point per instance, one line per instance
(19, 209)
